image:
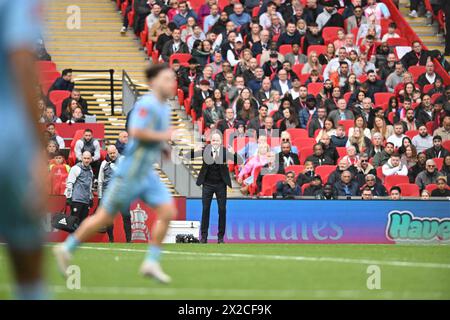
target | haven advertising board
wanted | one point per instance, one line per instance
(338, 221)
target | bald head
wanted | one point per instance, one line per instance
(112, 152)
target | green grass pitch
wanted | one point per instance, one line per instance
(253, 271)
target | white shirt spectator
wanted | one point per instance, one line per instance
(422, 143)
(390, 170)
(396, 140)
(332, 66)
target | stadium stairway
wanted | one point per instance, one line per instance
(426, 31)
(98, 44)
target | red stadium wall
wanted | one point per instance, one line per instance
(411, 36)
(141, 220)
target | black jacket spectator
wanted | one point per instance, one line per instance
(284, 190)
(320, 160)
(414, 171)
(313, 191)
(82, 102)
(285, 38)
(435, 153)
(222, 125)
(352, 188)
(168, 50)
(411, 59)
(197, 100)
(423, 81)
(305, 177)
(293, 159)
(440, 193)
(311, 39)
(61, 84)
(377, 189)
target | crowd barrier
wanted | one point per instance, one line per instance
(327, 222)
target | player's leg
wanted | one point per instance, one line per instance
(158, 197)
(126, 217)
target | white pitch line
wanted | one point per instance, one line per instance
(243, 293)
(412, 264)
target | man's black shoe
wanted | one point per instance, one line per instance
(220, 241)
(203, 240)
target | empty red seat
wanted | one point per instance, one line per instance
(45, 66)
(391, 181)
(303, 142)
(49, 76)
(411, 133)
(315, 88)
(347, 124)
(57, 97)
(409, 189)
(319, 49)
(416, 71)
(439, 163)
(430, 187)
(382, 98)
(446, 145)
(394, 42)
(304, 153)
(298, 133)
(183, 58)
(285, 49)
(304, 186)
(329, 34)
(269, 182)
(324, 171)
(297, 68)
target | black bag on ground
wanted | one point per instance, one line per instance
(64, 222)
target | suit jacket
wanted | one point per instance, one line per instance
(335, 116)
(410, 59)
(197, 101)
(261, 96)
(294, 156)
(351, 23)
(276, 85)
(222, 125)
(167, 50)
(290, 57)
(207, 115)
(223, 157)
(314, 124)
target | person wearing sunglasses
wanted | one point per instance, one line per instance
(429, 175)
(374, 185)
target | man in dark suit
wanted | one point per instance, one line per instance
(174, 46)
(214, 177)
(200, 94)
(286, 157)
(229, 122)
(65, 82)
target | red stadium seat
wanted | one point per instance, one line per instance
(255, 11)
(430, 126)
(304, 153)
(380, 174)
(57, 97)
(303, 142)
(298, 133)
(347, 124)
(329, 34)
(315, 88)
(240, 142)
(409, 189)
(144, 35)
(430, 187)
(149, 46)
(397, 42)
(45, 86)
(319, 49)
(77, 136)
(412, 133)
(347, 96)
(324, 171)
(304, 186)
(180, 95)
(297, 68)
(49, 76)
(342, 151)
(182, 57)
(285, 49)
(297, 168)
(439, 163)
(45, 66)
(391, 181)
(269, 182)
(58, 177)
(304, 77)
(382, 98)
(434, 97)
(226, 136)
(446, 145)
(416, 71)
(155, 56)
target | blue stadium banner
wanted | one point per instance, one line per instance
(335, 221)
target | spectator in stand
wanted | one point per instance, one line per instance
(425, 195)
(67, 112)
(437, 150)
(239, 17)
(312, 63)
(76, 95)
(122, 142)
(328, 148)
(153, 17)
(442, 189)
(329, 16)
(394, 167)
(52, 149)
(366, 194)
(444, 130)
(424, 112)
(375, 186)
(184, 12)
(397, 137)
(430, 76)
(53, 136)
(341, 113)
(381, 127)
(65, 82)
(200, 95)
(391, 34)
(339, 139)
(265, 19)
(409, 157)
(281, 83)
(312, 36)
(395, 193)
(420, 166)
(388, 67)
(327, 193)
(356, 20)
(212, 114)
(174, 46)
(335, 63)
(78, 191)
(377, 144)
(410, 122)
(288, 189)
(382, 157)
(429, 175)
(295, 56)
(379, 10)
(286, 157)
(306, 114)
(229, 122)
(307, 175)
(289, 120)
(49, 116)
(77, 116)
(318, 158)
(328, 128)
(346, 186)
(362, 66)
(197, 34)
(315, 187)
(211, 18)
(58, 160)
(416, 57)
(317, 121)
(352, 156)
(361, 123)
(88, 143)
(423, 140)
(374, 85)
(290, 36)
(142, 10)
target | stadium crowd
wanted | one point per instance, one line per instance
(315, 96)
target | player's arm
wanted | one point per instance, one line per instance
(148, 135)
